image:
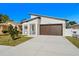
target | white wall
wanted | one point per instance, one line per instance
(78, 31)
(69, 32)
(45, 20)
(23, 29)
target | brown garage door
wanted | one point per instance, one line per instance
(51, 29)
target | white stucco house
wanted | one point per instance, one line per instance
(43, 25)
(74, 30)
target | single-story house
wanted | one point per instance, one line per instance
(4, 26)
(75, 26)
(74, 29)
(43, 25)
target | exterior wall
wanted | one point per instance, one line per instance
(76, 27)
(23, 28)
(69, 32)
(1, 30)
(5, 27)
(76, 30)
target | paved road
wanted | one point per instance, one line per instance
(42, 46)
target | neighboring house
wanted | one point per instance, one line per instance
(4, 26)
(74, 29)
(76, 26)
(43, 25)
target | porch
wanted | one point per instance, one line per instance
(30, 29)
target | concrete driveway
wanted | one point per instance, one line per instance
(42, 46)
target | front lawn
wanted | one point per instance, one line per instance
(6, 40)
(74, 41)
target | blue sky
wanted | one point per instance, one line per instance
(19, 11)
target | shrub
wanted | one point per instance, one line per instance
(5, 31)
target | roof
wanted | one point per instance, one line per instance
(39, 17)
(75, 25)
(31, 19)
(3, 24)
(6, 23)
(47, 16)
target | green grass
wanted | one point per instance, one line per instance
(73, 40)
(6, 40)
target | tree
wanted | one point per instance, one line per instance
(72, 22)
(11, 31)
(0, 18)
(3, 18)
(16, 31)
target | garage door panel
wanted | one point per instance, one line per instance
(55, 30)
(51, 29)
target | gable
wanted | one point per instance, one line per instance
(45, 20)
(37, 15)
(48, 20)
(31, 21)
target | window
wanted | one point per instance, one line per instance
(32, 28)
(25, 29)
